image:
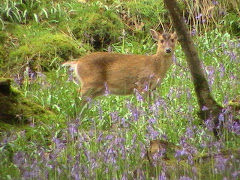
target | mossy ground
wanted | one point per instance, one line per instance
(17, 110)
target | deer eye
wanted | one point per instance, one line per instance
(161, 41)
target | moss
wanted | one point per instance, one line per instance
(3, 49)
(46, 52)
(15, 109)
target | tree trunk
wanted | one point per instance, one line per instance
(209, 109)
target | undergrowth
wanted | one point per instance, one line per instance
(110, 138)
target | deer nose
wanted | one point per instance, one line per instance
(168, 50)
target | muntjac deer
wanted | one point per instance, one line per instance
(122, 74)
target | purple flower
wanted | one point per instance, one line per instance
(238, 45)
(110, 49)
(31, 174)
(211, 74)
(180, 153)
(221, 117)
(87, 154)
(107, 91)
(193, 32)
(124, 123)
(186, 151)
(124, 176)
(110, 156)
(18, 79)
(75, 171)
(143, 151)
(209, 124)
(159, 154)
(19, 158)
(135, 112)
(70, 74)
(199, 16)
(114, 117)
(183, 142)
(73, 129)
(216, 145)
(236, 174)
(184, 178)
(100, 137)
(146, 87)
(152, 133)
(221, 163)
(109, 137)
(189, 133)
(59, 143)
(215, 2)
(204, 108)
(152, 120)
(31, 74)
(85, 171)
(162, 176)
(138, 95)
(234, 127)
(222, 70)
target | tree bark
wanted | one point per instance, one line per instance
(209, 108)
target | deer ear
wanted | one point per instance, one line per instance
(175, 35)
(154, 34)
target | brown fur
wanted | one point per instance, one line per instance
(122, 73)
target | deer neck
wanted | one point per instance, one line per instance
(159, 57)
(162, 62)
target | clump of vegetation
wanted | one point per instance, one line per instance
(45, 52)
(97, 26)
